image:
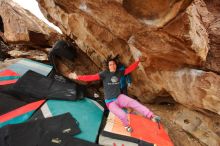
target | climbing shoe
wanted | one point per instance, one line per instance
(155, 118)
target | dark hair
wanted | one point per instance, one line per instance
(111, 58)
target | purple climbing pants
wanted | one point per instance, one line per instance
(124, 101)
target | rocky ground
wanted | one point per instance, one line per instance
(176, 133)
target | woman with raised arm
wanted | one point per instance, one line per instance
(114, 100)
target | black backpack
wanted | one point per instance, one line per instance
(62, 49)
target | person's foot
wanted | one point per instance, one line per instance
(155, 118)
(129, 129)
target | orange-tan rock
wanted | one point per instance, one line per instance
(20, 26)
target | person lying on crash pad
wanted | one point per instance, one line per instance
(114, 100)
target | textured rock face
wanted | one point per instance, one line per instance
(20, 26)
(156, 13)
(178, 42)
(169, 35)
(213, 58)
(200, 89)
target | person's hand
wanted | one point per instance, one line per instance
(73, 76)
(137, 59)
(96, 95)
(142, 59)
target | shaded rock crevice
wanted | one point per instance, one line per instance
(1, 25)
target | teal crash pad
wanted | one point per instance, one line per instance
(23, 65)
(87, 112)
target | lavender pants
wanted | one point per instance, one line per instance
(124, 101)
